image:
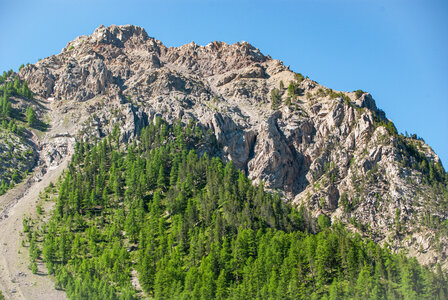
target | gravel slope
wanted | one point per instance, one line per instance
(16, 279)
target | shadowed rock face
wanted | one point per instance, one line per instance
(327, 151)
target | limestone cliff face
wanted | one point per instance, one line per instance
(332, 152)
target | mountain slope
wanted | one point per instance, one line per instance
(157, 220)
(334, 152)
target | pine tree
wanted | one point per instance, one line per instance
(161, 178)
(275, 99)
(30, 116)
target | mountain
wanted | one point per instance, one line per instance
(333, 153)
(158, 220)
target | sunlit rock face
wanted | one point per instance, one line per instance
(329, 151)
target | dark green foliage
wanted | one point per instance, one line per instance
(12, 86)
(391, 129)
(293, 90)
(33, 267)
(359, 93)
(433, 172)
(30, 116)
(196, 228)
(298, 77)
(323, 221)
(276, 99)
(346, 204)
(15, 155)
(5, 106)
(24, 91)
(334, 95)
(388, 124)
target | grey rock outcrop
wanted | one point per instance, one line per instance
(328, 151)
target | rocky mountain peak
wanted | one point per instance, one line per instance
(118, 36)
(334, 152)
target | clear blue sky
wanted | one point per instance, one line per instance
(395, 49)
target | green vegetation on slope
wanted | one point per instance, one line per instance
(16, 154)
(11, 85)
(195, 228)
(16, 158)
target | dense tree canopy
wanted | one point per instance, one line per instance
(189, 226)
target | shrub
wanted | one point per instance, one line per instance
(30, 116)
(33, 267)
(293, 90)
(390, 127)
(275, 98)
(359, 93)
(299, 77)
(347, 100)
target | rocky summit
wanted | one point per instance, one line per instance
(334, 153)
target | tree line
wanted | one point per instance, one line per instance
(162, 210)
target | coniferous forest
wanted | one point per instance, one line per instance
(163, 218)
